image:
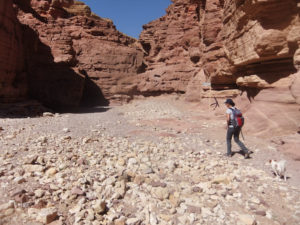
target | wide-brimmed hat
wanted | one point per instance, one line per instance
(229, 101)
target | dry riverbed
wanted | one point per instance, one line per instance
(154, 161)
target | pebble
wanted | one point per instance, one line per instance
(160, 193)
(45, 215)
(247, 220)
(48, 114)
(20, 180)
(8, 205)
(66, 130)
(51, 172)
(100, 206)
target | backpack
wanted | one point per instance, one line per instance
(238, 119)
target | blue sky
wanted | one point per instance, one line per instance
(129, 15)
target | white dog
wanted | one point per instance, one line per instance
(279, 168)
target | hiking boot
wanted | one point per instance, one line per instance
(228, 155)
(246, 156)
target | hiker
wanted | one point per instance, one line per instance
(235, 121)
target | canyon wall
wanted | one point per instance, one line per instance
(172, 49)
(12, 74)
(65, 55)
(247, 49)
(261, 42)
(234, 45)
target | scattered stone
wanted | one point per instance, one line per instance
(160, 193)
(31, 159)
(158, 184)
(56, 222)
(21, 198)
(39, 193)
(133, 221)
(131, 162)
(100, 207)
(20, 180)
(5, 206)
(90, 215)
(66, 130)
(194, 209)
(33, 168)
(120, 221)
(116, 180)
(46, 215)
(247, 220)
(197, 189)
(51, 172)
(77, 191)
(48, 114)
(260, 213)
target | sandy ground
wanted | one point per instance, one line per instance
(152, 121)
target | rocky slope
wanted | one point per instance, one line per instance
(147, 162)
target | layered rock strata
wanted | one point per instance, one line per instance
(172, 46)
(228, 49)
(200, 48)
(65, 55)
(236, 44)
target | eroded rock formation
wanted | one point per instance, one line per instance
(172, 46)
(230, 48)
(65, 55)
(238, 44)
(199, 48)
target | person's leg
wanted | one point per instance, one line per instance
(236, 134)
(228, 139)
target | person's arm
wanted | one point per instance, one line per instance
(228, 119)
(228, 112)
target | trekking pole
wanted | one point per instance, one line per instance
(242, 134)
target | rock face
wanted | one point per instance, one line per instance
(101, 59)
(71, 57)
(12, 74)
(66, 55)
(238, 44)
(260, 41)
(172, 46)
(226, 48)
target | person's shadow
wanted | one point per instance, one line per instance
(241, 152)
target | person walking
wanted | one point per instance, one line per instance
(233, 129)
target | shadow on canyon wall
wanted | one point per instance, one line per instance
(56, 85)
(270, 71)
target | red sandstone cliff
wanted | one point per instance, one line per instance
(65, 55)
(12, 74)
(68, 56)
(245, 49)
(173, 51)
(238, 44)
